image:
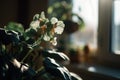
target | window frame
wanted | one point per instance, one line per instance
(111, 48)
(104, 53)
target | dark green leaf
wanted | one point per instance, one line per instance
(75, 76)
(28, 73)
(30, 32)
(56, 55)
(55, 69)
(42, 23)
(13, 36)
(8, 37)
(30, 41)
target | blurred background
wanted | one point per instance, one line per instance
(91, 36)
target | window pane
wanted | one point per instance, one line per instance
(116, 27)
(88, 10)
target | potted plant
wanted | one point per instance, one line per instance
(63, 10)
(17, 44)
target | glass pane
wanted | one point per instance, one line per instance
(88, 10)
(116, 27)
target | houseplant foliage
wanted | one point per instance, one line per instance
(17, 43)
(63, 10)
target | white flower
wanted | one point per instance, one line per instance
(60, 24)
(59, 30)
(47, 20)
(35, 25)
(42, 15)
(54, 41)
(54, 20)
(36, 16)
(60, 27)
(46, 37)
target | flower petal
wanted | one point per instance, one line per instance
(36, 17)
(54, 41)
(42, 15)
(35, 24)
(46, 37)
(59, 30)
(54, 20)
(60, 24)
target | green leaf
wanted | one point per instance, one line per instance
(8, 37)
(30, 41)
(30, 32)
(15, 27)
(28, 73)
(55, 55)
(55, 69)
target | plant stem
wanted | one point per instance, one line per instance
(36, 44)
(27, 55)
(41, 68)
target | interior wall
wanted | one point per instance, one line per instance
(21, 11)
(8, 11)
(36, 7)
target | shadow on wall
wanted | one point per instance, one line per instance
(20, 10)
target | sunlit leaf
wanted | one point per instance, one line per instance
(55, 69)
(8, 37)
(56, 55)
(75, 76)
(28, 73)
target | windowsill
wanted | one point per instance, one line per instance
(117, 52)
(101, 70)
(96, 71)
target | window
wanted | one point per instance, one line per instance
(106, 33)
(88, 11)
(116, 27)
